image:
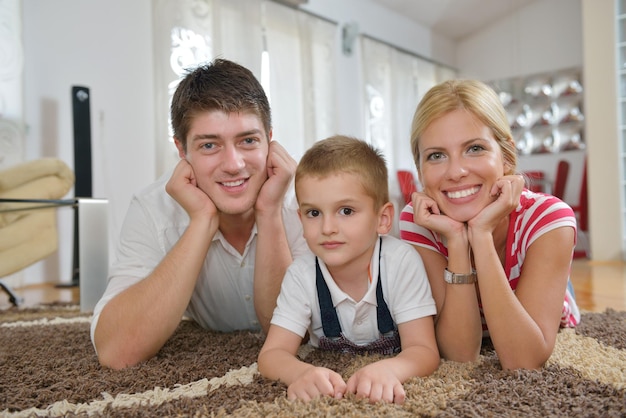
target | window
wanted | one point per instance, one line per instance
(291, 53)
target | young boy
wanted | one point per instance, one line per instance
(360, 291)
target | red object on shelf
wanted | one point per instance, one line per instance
(560, 180)
(407, 184)
(536, 179)
(581, 210)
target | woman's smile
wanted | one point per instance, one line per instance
(458, 194)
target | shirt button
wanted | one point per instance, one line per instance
(248, 297)
(255, 323)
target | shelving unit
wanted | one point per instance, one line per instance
(544, 111)
(621, 73)
(546, 115)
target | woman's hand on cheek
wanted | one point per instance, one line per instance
(426, 213)
(506, 193)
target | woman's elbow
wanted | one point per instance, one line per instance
(461, 357)
(523, 364)
(460, 354)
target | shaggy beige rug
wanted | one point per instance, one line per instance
(48, 368)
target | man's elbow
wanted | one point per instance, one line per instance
(117, 357)
(115, 361)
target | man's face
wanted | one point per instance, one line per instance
(228, 153)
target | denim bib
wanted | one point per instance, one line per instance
(333, 338)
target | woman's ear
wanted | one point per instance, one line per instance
(181, 149)
(509, 158)
(385, 218)
(508, 168)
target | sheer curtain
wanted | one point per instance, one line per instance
(289, 51)
(301, 50)
(394, 81)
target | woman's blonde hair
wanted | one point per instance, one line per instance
(477, 98)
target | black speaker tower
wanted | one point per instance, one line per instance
(82, 161)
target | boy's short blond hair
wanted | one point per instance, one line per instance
(344, 154)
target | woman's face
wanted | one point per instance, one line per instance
(460, 160)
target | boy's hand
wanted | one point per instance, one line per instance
(281, 168)
(376, 383)
(317, 381)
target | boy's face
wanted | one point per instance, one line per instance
(339, 221)
(228, 154)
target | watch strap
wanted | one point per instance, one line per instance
(456, 278)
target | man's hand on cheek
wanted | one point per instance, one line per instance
(183, 188)
(281, 168)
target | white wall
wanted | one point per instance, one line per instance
(605, 181)
(544, 36)
(90, 42)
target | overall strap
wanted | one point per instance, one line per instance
(385, 322)
(330, 321)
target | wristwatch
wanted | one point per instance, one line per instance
(455, 278)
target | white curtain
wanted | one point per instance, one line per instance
(394, 82)
(289, 51)
(302, 67)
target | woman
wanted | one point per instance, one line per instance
(498, 256)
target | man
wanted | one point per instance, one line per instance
(214, 240)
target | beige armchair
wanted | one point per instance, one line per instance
(29, 194)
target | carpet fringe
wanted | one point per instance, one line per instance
(46, 321)
(154, 397)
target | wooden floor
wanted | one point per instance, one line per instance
(598, 285)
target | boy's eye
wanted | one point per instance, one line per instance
(208, 145)
(346, 211)
(313, 213)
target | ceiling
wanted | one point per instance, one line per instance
(454, 19)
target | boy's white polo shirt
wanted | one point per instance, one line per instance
(404, 283)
